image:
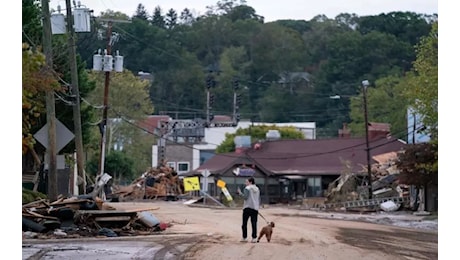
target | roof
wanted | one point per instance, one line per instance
(373, 126)
(294, 77)
(151, 122)
(306, 157)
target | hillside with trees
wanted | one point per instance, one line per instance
(287, 69)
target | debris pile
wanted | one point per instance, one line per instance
(352, 187)
(83, 216)
(162, 181)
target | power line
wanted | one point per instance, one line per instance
(290, 156)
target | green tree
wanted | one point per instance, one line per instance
(117, 164)
(157, 18)
(128, 99)
(171, 19)
(31, 22)
(244, 12)
(418, 165)
(388, 91)
(406, 26)
(186, 17)
(422, 90)
(141, 13)
(37, 79)
(257, 133)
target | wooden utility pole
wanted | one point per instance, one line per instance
(106, 102)
(76, 94)
(366, 125)
(50, 105)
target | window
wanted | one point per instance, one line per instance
(183, 166)
(171, 165)
(314, 187)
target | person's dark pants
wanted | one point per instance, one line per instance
(249, 213)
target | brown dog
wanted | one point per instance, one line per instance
(267, 231)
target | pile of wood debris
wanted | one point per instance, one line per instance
(161, 181)
(351, 186)
(83, 216)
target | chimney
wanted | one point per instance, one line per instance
(344, 132)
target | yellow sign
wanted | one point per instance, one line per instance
(221, 183)
(227, 194)
(191, 183)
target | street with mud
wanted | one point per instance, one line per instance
(199, 232)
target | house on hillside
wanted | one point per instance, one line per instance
(289, 170)
(294, 80)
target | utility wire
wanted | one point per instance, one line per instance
(276, 158)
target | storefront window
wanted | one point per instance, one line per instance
(314, 187)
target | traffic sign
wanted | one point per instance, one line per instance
(191, 184)
(63, 135)
(206, 173)
(227, 194)
(221, 184)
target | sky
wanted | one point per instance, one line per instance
(271, 10)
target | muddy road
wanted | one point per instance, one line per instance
(209, 233)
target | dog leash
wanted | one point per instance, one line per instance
(263, 217)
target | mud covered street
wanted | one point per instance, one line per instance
(211, 233)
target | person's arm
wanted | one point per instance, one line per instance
(245, 194)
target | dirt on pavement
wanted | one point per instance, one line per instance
(297, 235)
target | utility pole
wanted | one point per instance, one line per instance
(106, 101)
(50, 105)
(414, 127)
(107, 65)
(209, 83)
(365, 84)
(236, 102)
(76, 94)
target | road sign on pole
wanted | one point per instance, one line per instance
(191, 184)
(63, 135)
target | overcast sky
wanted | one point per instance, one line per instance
(271, 10)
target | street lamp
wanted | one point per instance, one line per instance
(365, 84)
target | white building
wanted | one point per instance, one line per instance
(187, 157)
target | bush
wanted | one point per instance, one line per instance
(30, 196)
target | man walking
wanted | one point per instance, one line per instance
(251, 205)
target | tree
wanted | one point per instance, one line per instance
(141, 13)
(128, 95)
(37, 79)
(418, 165)
(243, 12)
(186, 17)
(171, 19)
(257, 133)
(422, 90)
(406, 26)
(117, 164)
(388, 91)
(114, 15)
(128, 100)
(31, 22)
(157, 18)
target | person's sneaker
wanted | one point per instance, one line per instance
(244, 240)
(253, 240)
